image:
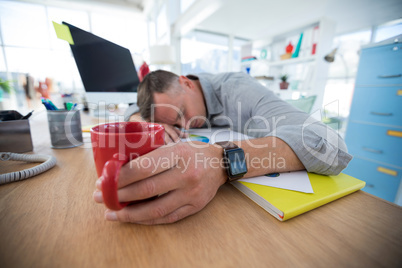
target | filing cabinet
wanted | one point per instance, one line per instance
(374, 132)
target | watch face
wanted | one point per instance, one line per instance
(237, 162)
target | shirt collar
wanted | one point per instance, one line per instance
(212, 100)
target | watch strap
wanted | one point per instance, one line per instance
(227, 145)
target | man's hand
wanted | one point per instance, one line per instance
(185, 177)
(172, 133)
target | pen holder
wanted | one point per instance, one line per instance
(65, 128)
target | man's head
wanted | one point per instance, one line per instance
(168, 98)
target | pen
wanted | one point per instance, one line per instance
(47, 106)
(27, 115)
(69, 105)
(51, 104)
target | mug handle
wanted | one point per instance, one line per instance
(110, 178)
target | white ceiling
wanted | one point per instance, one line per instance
(135, 4)
(258, 19)
(254, 19)
(131, 5)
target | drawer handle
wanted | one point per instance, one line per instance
(381, 114)
(390, 76)
(371, 150)
(394, 133)
(387, 171)
(370, 185)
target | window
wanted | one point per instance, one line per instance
(204, 52)
(388, 30)
(162, 26)
(124, 29)
(29, 43)
(2, 63)
(236, 61)
(151, 33)
(347, 55)
(342, 73)
(24, 25)
(209, 52)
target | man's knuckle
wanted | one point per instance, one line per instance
(149, 187)
(194, 175)
(172, 217)
(125, 217)
(158, 212)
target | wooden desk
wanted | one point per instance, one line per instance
(52, 221)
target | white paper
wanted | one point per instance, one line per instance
(218, 134)
(295, 181)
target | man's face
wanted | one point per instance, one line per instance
(183, 107)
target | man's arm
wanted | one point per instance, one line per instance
(186, 176)
(318, 146)
(131, 110)
(269, 155)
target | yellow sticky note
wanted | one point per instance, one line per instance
(63, 32)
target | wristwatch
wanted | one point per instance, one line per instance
(234, 160)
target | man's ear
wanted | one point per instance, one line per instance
(184, 81)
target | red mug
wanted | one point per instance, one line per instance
(115, 144)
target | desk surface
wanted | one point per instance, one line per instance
(52, 221)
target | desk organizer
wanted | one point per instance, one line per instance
(65, 128)
(15, 133)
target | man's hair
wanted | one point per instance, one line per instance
(155, 82)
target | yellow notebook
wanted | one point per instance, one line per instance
(285, 204)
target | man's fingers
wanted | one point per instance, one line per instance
(97, 196)
(168, 139)
(155, 162)
(175, 216)
(173, 134)
(156, 185)
(180, 133)
(148, 211)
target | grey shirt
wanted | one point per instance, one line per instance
(242, 103)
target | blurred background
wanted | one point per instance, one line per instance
(206, 36)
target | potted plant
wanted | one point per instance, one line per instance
(5, 85)
(284, 84)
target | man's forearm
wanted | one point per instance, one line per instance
(269, 155)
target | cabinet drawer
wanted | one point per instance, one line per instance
(375, 142)
(380, 65)
(381, 181)
(378, 105)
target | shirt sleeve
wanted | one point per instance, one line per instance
(132, 109)
(319, 147)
